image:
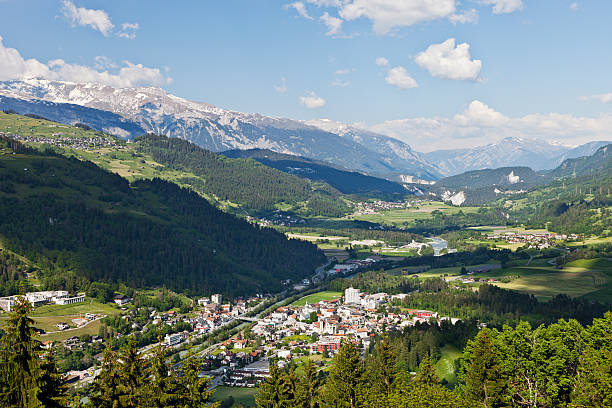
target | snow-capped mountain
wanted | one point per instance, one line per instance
(508, 152)
(129, 112)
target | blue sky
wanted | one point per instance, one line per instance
(534, 68)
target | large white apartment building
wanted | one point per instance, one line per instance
(352, 296)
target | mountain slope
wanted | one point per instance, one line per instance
(504, 177)
(394, 149)
(86, 224)
(155, 111)
(598, 164)
(587, 149)
(509, 152)
(346, 182)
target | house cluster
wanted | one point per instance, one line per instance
(58, 297)
(538, 240)
(74, 142)
(278, 218)
(351, 266)
(330, 322)
(362, 208)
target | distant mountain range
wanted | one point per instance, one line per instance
(480, 186)
(130, 112)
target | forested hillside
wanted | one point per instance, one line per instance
(579, 201)
(347, 182)
(241, 181)
(82, 223)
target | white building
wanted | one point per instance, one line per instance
(173, 339)
(352, 295)
(216, 298)
(70, 300)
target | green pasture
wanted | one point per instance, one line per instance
(401, 217)
(445, 367)
(244, 396)
(89, 306)
(317, 297)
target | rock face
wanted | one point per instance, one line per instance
(129, 112)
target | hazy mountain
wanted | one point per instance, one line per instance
(587, 149)
(138, 110)
(394, 149)
(508, 152)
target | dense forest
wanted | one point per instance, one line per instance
(77, 220)
(240, 181)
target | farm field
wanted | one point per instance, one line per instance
(403, 217)
(445, 367)
(244, 396)
(317, 297)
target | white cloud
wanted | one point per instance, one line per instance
(95, 19)
(14, 66)
(574, 6)
(128, 30)
(312, 101)
(382, 61)
(480, 124)
(605, 98)
(468, 16)
(103, 62)
(399, 77)
(300, 8)
(447, 61)
(504, 6)
(388, 14)
(334, 24)
(343, 71)
(282, 88)
(340, 84)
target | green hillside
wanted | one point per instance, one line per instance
(237, 185)
(81, 224)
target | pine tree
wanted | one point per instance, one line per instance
(106, 390)
(51, 390)
(198, 389)
(165, 391)
(427, 374)
(273, 392)
(345, 385)
(20, 357)
(132, 374)
(383, 368)
(481, 372)
(307, 395)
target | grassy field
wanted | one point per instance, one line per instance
(445, 367)
(317, 297)
(244, 396)
(47, 316)
(89, 306)
(403, 217)
(546, 286)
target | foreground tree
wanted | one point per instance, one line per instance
(481, 372)
(274, 391)
(308, 390)
(345, 386)
(26, 379)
